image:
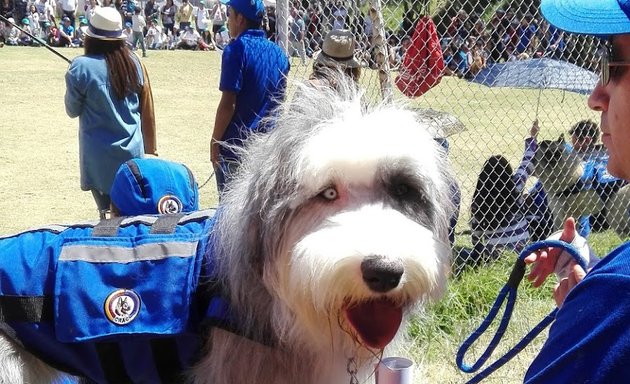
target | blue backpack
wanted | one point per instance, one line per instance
(123, 300)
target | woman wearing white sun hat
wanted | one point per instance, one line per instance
(107, 88)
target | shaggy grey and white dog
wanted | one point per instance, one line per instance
(334, 230)
(575, 188)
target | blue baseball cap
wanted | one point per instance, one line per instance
(154, 186)
(590, 17)
(251, 9)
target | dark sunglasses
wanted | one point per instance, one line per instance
(606, 61)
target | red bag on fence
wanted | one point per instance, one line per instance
(423, 65)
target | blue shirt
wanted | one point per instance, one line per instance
(109, 129)
(525, 36)
(590, 340)
(255, 69)
(67, 29)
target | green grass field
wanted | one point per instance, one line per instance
(40, 179)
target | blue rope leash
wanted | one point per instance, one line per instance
(508, 292)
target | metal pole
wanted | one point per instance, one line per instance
(379, 42)
(38, 40)
(282, 25)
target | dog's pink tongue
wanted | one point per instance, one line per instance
(376, 321)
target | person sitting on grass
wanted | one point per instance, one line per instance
(66, 33)
(192, 40)
(25, 39)
(11, 34)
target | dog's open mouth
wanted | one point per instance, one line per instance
(376, 321)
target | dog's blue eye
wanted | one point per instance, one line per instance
(329, 193)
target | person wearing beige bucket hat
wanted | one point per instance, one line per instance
(109, 90)
(337, 54)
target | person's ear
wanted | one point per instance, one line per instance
(240, 19)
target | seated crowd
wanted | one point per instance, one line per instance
(471, 44)
(166, 27)
(468, 42)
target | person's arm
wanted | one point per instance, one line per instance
(147, 115)
(75, 96)
(588, 342)
(526, 167)
(225, 112)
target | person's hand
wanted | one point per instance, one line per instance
(565, 285)
(544, 261)
(533, 131)
(214, 153)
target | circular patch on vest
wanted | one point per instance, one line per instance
(122, 306)
(169, 204)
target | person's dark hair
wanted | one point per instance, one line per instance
(123, 70)
(585, 128)
(253, 24)
(495, 200)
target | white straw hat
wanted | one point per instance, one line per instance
(105, 24)
(338, 50)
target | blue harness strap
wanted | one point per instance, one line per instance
(116, 302)
(509, 291)
(164, 350)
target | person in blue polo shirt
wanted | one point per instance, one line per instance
(253, 82)
(589, 342)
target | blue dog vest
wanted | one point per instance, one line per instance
(125, 300)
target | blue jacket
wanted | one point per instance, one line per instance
(119, 301)
(589, 342)
(109, 128)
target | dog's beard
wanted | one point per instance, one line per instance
(322, 275)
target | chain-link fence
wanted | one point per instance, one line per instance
(548, 73)
(508, 95)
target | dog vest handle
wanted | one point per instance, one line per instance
(107, 227)
(508, 292)
(163, 225)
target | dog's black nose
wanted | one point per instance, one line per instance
(381, 275)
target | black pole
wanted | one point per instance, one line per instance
(38, 40)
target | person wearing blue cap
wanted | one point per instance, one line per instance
(589, 342)
(253, 82)
(153, 186)
(66, 32)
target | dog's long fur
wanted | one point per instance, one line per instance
(331, 186)
(291, 258)
(559, 168)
